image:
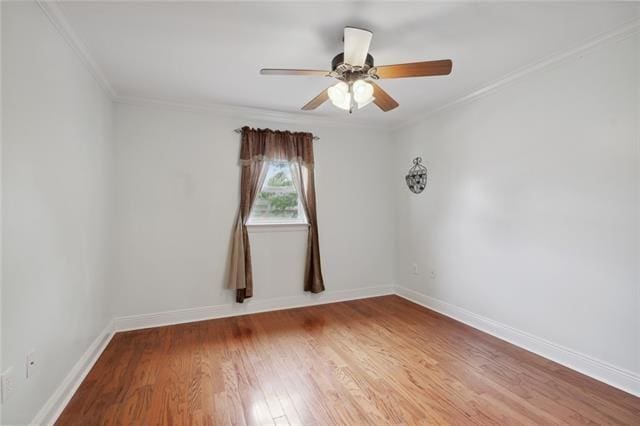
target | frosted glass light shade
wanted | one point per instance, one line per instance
(345, 103)
(339, 95)
(364, 104)
(362, 92)
(338, 92)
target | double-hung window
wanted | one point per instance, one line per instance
(278, 202)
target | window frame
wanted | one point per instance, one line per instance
(271, 224)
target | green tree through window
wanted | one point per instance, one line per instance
(280, 179)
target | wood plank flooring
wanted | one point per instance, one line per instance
(374, 361)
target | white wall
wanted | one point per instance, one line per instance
(177, 186)
(530, 216)
(57, 164)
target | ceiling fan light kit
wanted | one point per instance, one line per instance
(355, 70)
(358, 95)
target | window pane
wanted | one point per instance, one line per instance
(278, 199)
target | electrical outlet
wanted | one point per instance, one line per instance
(414, 269)
(32, 364)
(8, 384)
(433, 274)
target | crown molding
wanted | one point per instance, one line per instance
(53, 12)
(55, 15)
(627, 30)
(250, 113)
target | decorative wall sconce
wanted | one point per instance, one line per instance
(417, 176)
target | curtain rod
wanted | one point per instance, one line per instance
(239, 130)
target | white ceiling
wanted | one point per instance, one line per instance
(210, 52)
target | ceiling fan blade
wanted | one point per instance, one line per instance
(317, 101)
(415, 69)
(285, 71)
(356, 45)
(381, 98)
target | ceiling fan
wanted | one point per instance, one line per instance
(355, 70)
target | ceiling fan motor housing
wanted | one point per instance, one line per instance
(349, 72)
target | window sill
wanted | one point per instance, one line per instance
(276, 227)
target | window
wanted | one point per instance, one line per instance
(278, 201)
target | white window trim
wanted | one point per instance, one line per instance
(254, 227)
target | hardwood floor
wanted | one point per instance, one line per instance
(373, 361)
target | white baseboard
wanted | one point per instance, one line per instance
(595, 368)
(52, 409)
(136, 322)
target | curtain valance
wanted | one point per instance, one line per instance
(276, 145)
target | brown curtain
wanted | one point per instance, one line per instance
(258, 147)
(303, 179)
(240, 274)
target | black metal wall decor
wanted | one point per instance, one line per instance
(417, 176)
